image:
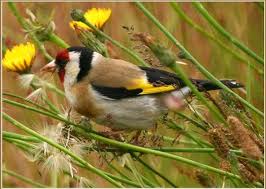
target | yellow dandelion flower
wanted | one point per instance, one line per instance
(96, 16)
(19, 58)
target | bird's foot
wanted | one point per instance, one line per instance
(157, 140)
(137, 139)
(85, 121)
(177, 138)
(113, 134)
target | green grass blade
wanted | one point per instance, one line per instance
(188, 20)
(24, 179)
(226, 34)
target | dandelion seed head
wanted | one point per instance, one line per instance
(37, 95)
(78, 148)
(25, 80)
(84, 183)
(58, 162)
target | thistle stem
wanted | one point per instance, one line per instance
(57, 40)
(24, 24)
(24, 179)
(200, 8)
(19, 136)
(153, 170)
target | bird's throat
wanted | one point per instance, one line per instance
(61, 74)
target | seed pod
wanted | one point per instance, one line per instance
(259, 142)
(225, 165)
(204, 179)
(241, 135)
(245, 174)
(218, 139)
(229, 136)
(254, 171)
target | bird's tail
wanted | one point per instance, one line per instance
(206, 85)
(174, 99)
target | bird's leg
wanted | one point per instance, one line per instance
(69, 113)
(136, 139)
(109, 120)
(112, 133)
(176, 138)
(156, 139)
(85, 121)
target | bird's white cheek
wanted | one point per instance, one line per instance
(70, 78)
(71, 73)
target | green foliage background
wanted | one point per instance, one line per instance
(243, 20)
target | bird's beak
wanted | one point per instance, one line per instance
(50, 67)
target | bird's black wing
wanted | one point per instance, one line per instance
(159, 81)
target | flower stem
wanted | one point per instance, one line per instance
(193, 121)
(226, 34)
(198, 65)
(19, 136)
(24, 24)
(153, 170)
(27, 100)
(25, 179)
(19, 142)
(57, 40)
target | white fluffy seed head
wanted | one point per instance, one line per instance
(25, 80)
(85, 183)
(37, 95)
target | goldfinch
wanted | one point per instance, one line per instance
(117, 93)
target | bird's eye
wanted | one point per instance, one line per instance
(61, 63)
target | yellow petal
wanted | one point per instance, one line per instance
(80, 25)
(97, 17)
(19, 58)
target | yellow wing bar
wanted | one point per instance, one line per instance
(148, 88)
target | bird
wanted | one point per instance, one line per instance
(119, 94)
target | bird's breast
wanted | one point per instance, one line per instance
(82, 100)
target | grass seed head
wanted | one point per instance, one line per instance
(225, 165)
(218, 139)
(242, 136)
(204, 179)
(245, 173)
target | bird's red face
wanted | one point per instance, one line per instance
(61, 60)
(72, 63)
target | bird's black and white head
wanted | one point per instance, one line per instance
(73, 64)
